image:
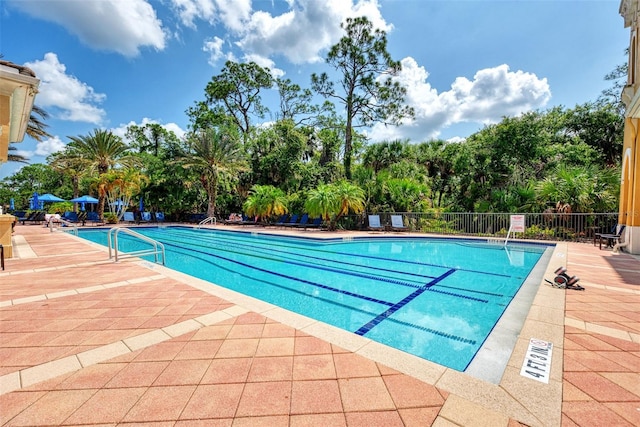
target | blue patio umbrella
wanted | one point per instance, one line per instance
(35, 203)
(45, 198)
(141, 204)
(12, 204)
(84, 199)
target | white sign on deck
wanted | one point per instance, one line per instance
(537, 361)
(517, 223)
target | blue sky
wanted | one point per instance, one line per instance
(111, 63)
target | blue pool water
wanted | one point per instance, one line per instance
(435, 298)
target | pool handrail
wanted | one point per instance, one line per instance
(210, 219)
(112, 236)
(51, 222)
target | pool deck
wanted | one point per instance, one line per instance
(85, 341)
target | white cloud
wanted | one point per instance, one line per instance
(492, 94)
(75, 101)
(300, 34)
(122, 129)
(113, 25)
(49, 146)
(233, 13)
(213, 47)
(304, 32)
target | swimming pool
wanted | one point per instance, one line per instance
(437, 299)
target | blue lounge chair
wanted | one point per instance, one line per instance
(316, 223)
(292, 221)
(159, 216)
(129, 217)
(303, 222)
(248, 221)
(281, 221)
(145, 216)
(94, 218)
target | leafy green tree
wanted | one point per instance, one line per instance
(296, 103)
(213, 153)
(234, 94)
(601, 127)
(368, 92)
(100, 152)
(265, 201)
(276, 155)
(149, 138)
(31, 178)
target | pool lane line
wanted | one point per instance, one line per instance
(422, 276)
(364, 329)
(386, 259)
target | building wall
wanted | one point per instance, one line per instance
(629, 212)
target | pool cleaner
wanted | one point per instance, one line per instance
(563, 281)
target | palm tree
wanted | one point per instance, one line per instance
(36, 126)
(68, 164)
(331, 201)
(14, 157)
(265, 201)
(322, 201)
(120, 185)
(350, 198)
(212, 155)
(99, 152)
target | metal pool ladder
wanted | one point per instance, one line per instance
(211, 219)
(112, 237)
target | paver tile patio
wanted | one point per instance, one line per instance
(250, 370)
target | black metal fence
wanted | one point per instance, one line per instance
(539, 226)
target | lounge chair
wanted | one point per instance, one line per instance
(281, 221)
(292, 221)
(374, 223)
(611, 239)
(93, 217)
(145, 216)
(233, 218)
(35, 217)
(303, 222)
(20, 215)
(317, 223)
(248, 221)
(397, 224)
(129, 217)
(159, 216)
